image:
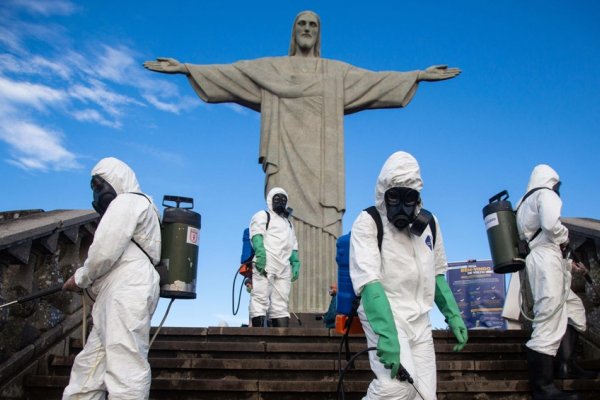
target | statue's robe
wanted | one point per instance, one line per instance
(302, 102)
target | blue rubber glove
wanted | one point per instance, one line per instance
(445, 301)
(260, 254)
(295, 262)
(380, 317)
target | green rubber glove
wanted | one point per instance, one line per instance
(380, 317)
(295, 265)
(259, 253)
(445, 301)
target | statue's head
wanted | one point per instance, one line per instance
(306, 34)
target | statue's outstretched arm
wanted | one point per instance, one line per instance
(166, 66)
(438, 73)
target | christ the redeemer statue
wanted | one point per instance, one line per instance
(302, 99)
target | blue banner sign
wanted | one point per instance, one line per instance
(479, 292)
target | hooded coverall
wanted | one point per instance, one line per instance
(270, 294)
(548, 273)
(406, 266)
(125, 285)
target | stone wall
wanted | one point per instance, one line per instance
(38, 250)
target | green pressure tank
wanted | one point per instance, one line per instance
(180, 233)
(503, 238)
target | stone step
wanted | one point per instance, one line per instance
(304, 350)
(293, 334)
(322, 365)
(260, 370)
(302, 364)
(231, 389)
(197, 368)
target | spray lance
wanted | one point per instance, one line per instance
(589, 280)
(33, 296)
(402, 375)
(570, 253)
(279, 293)
(47, 292)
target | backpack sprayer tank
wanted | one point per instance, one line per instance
(503, 238)
(180, 233)
(345, 295)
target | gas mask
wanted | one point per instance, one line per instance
(279, 202)
(401, 205)
(556, 188)
(104, 193)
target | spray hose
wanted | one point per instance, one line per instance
(403, 374)
(234, 308)
(566, 288)
(279, 293)
(161, 322)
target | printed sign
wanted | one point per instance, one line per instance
(479, 292)
(192, 235)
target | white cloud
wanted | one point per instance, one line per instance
(116, 64)
(99, 94)
(10, 38)
(35, 65)
(164, 95)
(44, 7)
(237, 108)
(161, 105)
(184, 104)
(35, 95)
(90, 115)
(165, 157)
(99, 84)
(44, 66)
(35, 147)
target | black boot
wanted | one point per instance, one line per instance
(281, 322)
(541, 371)
(566, 366)
(258, 322)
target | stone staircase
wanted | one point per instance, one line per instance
(302, 363)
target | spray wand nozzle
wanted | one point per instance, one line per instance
(570, 253)
(403, 375)
(34, 296)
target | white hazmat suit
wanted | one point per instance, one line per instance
(270, 293)
(548, 273)
(126, 288)
(406, 266)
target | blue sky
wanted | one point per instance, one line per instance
(73, 90)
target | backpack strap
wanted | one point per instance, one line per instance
(269, 220)
(433, 227)
(133, 240)
(377, 218)
(532, 191)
